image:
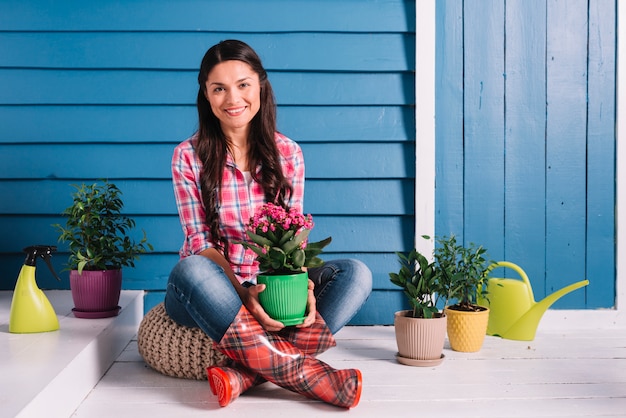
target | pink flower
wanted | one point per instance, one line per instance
(280, 235)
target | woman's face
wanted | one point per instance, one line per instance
(234, 93)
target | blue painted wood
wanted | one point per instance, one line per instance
(350, 233)
(535, 141)
(566, 146)
(348, 123)
(449, 207)
(107, 89)
(171, 124)
(484, 127)
(600, 246)
(357, 197)
(324, 160)
(525, 167)
(86, 87)
(200, 15)
(327, 51)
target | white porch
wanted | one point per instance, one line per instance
(91, 368)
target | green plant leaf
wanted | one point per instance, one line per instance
(296, 241)
(259, 240)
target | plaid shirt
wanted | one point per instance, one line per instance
(237, 202)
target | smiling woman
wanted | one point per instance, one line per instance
(233, 91)
(235, 164)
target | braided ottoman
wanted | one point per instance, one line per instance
(173, 349)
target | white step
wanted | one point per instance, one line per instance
(50, 373)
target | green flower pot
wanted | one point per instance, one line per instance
(285, 296)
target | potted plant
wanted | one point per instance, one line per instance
(420, 331)
(279, 237)
(464, 271)
(99, 245)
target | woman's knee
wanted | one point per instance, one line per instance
(359, 273)
(197, 276)
(192, 268)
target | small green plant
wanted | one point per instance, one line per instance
(279, 238)
(97, 231)
(463, 271)
(420, 283)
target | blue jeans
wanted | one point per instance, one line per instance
(199, 294)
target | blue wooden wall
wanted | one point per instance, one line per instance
(526, 138)
(106, 89)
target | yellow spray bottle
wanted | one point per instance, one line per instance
(31, 310)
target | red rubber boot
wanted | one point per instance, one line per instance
(311, 340)
(227, 383)
(280, 362)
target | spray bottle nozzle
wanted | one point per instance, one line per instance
(43, 251)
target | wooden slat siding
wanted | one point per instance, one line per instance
(130, 87)
(483, 108)
(566, 148)
(351, 51)
(120, 90)
(209, 16)
(601, 144)
(449, 114)
(41, 197)
(546, 138)
(368, 160)
(525, 228)
(115, 124)
(350, 233)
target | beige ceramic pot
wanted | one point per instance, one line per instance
(420, 341)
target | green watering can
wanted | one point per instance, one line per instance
(514, 314)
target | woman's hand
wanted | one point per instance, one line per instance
(311, 308)
(250, 299)
(249, 295)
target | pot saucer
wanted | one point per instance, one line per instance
(96, 315)
(293, 321)
(419, 363)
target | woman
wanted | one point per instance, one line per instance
(236, 162)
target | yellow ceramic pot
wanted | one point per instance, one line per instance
(467, 330)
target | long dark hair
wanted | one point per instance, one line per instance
(212, 147)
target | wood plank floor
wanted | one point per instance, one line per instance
(559, 374)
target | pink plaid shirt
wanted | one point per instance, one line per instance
(237, 204)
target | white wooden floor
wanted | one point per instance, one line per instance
(558, 374)
(562, 373)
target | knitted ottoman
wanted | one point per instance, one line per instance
(173, 349)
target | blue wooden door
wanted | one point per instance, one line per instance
(526, 138)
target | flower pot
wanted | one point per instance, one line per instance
(285, 296)
(96, 294)
(467, 330)
(420, 341)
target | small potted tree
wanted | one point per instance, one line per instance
(99, 245)
(463, 273)
(279, 238)
(420, 331)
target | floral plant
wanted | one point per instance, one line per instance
(279, 237)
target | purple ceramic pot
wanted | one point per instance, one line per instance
(96, 294)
